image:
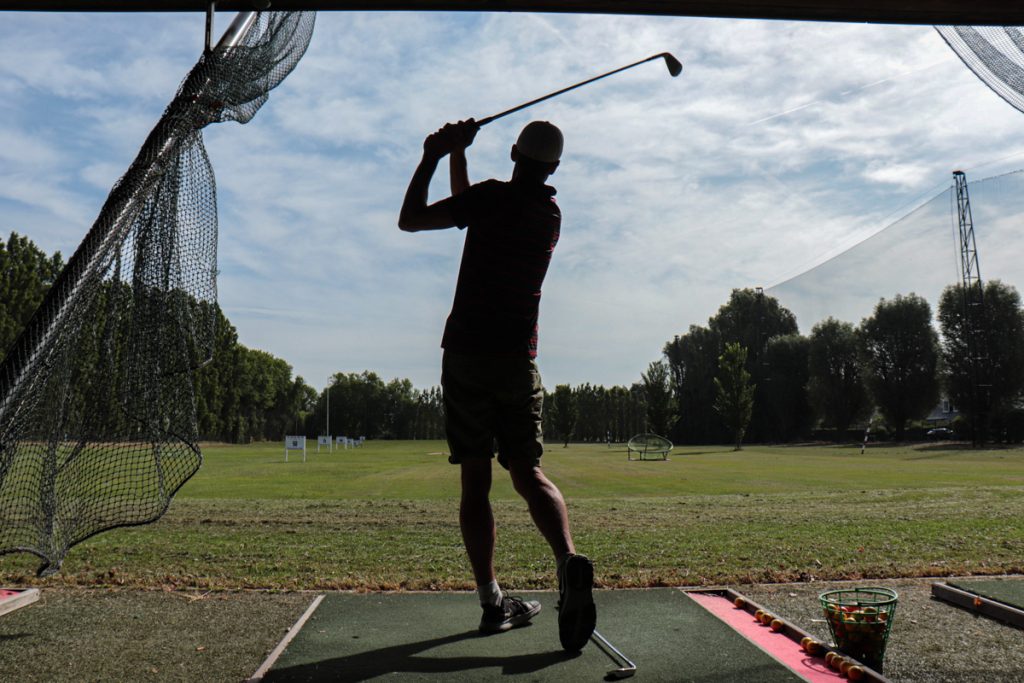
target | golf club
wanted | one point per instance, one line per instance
(625, 671)
(674, 67)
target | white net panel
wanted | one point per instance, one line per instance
(97, 408)
(995, 54)
(918, 253)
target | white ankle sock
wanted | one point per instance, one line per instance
(489, 594)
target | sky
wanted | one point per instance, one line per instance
(780, 144)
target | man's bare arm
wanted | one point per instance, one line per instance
(416, 213)
(458, 171)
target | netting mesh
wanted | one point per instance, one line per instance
(995, 54)
(97, 420)
(919, 253)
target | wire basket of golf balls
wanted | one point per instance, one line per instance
(860, 620)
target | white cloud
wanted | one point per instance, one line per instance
(779, 142)
(908, 176)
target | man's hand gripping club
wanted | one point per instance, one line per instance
(451, 139)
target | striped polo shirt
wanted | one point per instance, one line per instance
(511, 232)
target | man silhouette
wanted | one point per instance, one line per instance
(492, 388)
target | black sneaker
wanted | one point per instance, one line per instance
(577, 615)
(510, 613)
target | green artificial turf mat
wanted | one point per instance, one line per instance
(1007, 591)
(433, 636)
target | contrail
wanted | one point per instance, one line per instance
(849, 92)
(551, 29)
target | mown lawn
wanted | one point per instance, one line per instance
(385, 516)
(419, 470)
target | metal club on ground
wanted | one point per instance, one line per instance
(627, 668)
(675, 68)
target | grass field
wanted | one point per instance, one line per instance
(385, 517)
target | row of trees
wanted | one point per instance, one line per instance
(593, 413)
(750, 372)
(241, 395)
(246, 394)
(362, 404)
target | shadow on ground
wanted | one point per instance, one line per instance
(405, 658)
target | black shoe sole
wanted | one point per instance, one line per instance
(577, 616)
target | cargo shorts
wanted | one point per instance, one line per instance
(492, 399)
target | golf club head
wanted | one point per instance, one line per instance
(675, 67)
(619, 674)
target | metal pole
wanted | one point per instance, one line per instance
(209, 25)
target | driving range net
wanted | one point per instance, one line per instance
(97, 409)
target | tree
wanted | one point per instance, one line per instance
(693, 362)
(735, 394)
(269, 403)
(1002, 343)
(900, 352)
(359, 406)
(563, 412)
(661, 405)
(302, 398)
(216, 386)
(623, 410)
(26, 274)
(749, 318)
(588, 404)
(399, 409)
(785, 391)
(752, 319)
(429, 420)
(836, 386)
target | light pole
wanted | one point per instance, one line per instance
(330, 448)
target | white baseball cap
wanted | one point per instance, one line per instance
(541, 141)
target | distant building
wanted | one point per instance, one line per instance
(943, 413)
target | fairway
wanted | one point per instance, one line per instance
(419, 471)
(385, 516)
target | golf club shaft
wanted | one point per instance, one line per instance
(484, 122)
(602, 641)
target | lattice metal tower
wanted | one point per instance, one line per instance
(973, 309)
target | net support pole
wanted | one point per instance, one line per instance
(210, 8)
(973, 311)
(18, 370)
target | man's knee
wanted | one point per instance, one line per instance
(476, 478)
(527, 477)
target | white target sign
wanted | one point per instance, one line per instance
(295, 443)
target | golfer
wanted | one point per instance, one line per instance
(492, 389)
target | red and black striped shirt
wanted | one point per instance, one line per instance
(512, 229)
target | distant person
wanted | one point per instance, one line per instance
(492, 388)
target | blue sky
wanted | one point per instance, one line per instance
(779, 144)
